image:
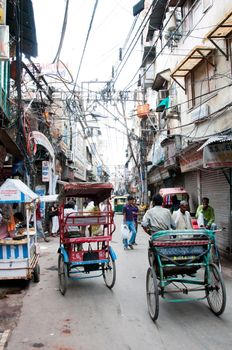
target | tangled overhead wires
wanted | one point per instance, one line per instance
(62, 32)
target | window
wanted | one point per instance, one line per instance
(189, 11)
(198, 82)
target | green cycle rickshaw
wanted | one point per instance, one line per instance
(181, 261)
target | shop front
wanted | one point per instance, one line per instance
(216, 183)
(191, 162)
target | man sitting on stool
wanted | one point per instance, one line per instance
(205, 215)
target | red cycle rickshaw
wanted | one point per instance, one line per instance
(81, 253)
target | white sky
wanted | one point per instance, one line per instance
(111, 25)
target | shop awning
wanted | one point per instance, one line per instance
(156, 18)
(215, 139)
(217, 152)
(160, 79)
(16, 191)
(164, 104)
(222, 30)
(148, 55)
(9, 144)
(196, 56)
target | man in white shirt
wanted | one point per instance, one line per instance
(182, 217)
(157, 218)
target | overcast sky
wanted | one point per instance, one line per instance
(112, 22)
(111, 25)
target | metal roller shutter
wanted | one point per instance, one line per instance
(190, 184)
(217, 189)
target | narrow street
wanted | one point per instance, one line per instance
(90, 316)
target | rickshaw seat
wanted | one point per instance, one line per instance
(87, 239)
(83, 220)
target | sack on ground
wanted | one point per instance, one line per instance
(125, 232)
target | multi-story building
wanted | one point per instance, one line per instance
(16, 38)
(189, 76)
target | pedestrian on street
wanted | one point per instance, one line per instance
(39, 226)
(128, 219)
(182, 217)
(135, 215)
(157, 218)
(55, 220)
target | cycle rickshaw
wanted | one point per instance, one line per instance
(83, 254)
(181, 261)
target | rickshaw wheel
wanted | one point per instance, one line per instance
(215, 290)
(63, 274)
(152, 294)
(109, 272)
(36, 273)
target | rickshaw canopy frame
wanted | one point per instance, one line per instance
(94, 190)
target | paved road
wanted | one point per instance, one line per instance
(90, 316)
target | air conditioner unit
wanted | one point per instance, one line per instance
(200, 113)
(170, 21)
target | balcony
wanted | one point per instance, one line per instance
(156, 18)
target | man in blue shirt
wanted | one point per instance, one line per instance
(128, 219)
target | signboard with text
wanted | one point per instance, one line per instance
(218, 155)
(45, 171)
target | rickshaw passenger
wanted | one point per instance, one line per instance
(96, 230)
(157, 218)
(182, 217)
(69, 211)
(205, 214)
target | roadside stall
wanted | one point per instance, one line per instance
(19, 250)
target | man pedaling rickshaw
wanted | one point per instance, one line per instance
(157, 218)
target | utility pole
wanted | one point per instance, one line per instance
(143, 159)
